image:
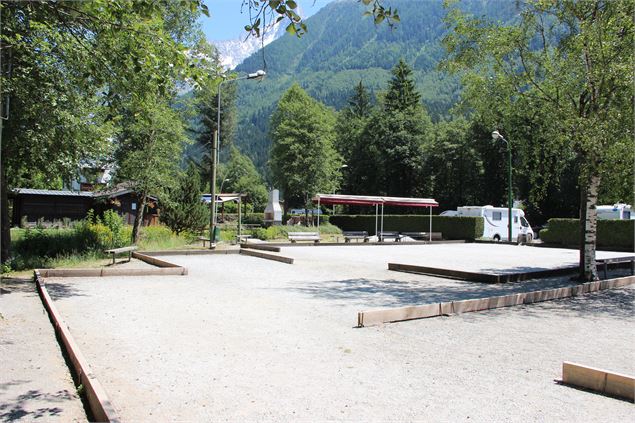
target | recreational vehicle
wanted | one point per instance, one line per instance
(616, 211)
(495, 222)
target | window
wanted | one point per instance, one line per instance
(524, 222)
(515, 219)
(497, 216)
(627, 215)
(133, 206)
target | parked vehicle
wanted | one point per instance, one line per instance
(495, 222)
(619, 211)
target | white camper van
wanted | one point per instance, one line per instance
(616, 211)
(495, 222)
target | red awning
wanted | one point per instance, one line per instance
(365, 200)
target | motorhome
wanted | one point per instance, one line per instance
(495, 222)
(619, 211)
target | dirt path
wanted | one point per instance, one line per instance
(35, 383)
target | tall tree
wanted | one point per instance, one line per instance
(399, 131)
(241, 176)
(182, 208)
(303, 160)
(568, 64)
(350, 142)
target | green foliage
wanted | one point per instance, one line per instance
(281, 231)
(451, 227)
(303, 159)
(618, 234)
(182, 209)
(240, 176)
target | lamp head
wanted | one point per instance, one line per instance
(496, 135)
(257, 75)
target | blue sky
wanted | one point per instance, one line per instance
(226, 22)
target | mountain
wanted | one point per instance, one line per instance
(233, 52)
(341, 48)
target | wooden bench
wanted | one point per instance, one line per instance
(304, 236)
(204, 239)
(627, 259)
(243, 238)
(348, 235)
(425, 236)
(389, 234)
(115, 251)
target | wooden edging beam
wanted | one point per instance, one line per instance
(188, 252)
(252, 253)
(390, 315)
(98, 401)
(263, 247)
(482, 277)
(598, 380)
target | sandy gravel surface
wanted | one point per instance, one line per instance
(35, 384)
(242, 338)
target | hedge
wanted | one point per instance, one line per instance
(451, 227)
(611, 233)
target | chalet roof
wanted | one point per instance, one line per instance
(64, 193)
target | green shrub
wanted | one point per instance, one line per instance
(282, 231)
(618, 234)
(451, 227)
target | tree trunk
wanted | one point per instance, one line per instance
(5, 242)
(139, 218)
(588, 229)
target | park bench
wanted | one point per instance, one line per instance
(204, 239)
(627, 259)
(389, 234)
(304, 236)
(425, 236)
(357, 235)
(242, 238)
(115, 251)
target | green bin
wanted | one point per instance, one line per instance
(216, 236)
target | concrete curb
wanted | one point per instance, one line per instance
(602, 381)
(482, 277)
(391, 315)
(360, 244)
(98, 401)
(252, 253)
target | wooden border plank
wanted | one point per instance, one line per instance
(98, 401)
(598, 380)
(263, 247)
(481, 276)
(391, 315)
(252, 253)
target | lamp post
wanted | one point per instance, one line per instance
(215, 145)
(495, 136)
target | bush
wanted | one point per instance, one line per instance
(452, 227)
(282, 231)
(618, 234)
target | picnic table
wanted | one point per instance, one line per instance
(389, 234)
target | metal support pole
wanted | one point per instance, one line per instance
(318, 213)
(212, 204)
(240, 219)
(376, 217)
(430, 233)
(510, 202)
(382, 222)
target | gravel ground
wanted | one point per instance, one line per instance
(35, 384)
(241, 338)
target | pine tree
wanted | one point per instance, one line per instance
(182, 209)
(402, 93)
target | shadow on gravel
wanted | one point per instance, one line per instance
(23, 406)
(59, 290)
(14, 285)
(371, 293)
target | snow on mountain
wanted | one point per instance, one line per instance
(233, 52)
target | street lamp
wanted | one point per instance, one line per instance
(215, 143)
(495, 136)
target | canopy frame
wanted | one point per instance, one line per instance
(365, 200)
